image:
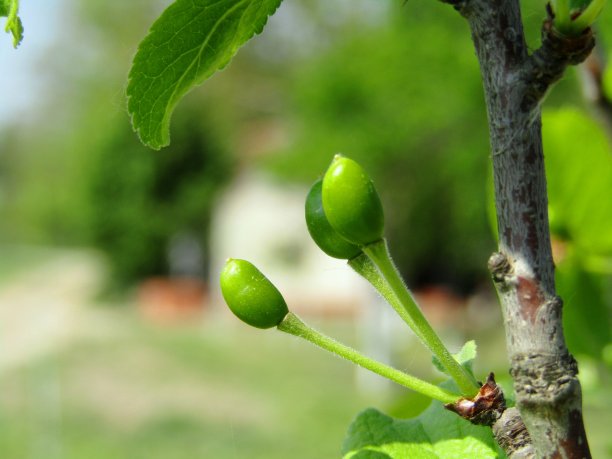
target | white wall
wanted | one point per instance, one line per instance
(263, 222)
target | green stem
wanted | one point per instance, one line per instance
(366, 268)
(294, 326)
(397, 294)
(562, 14)
(587, 17)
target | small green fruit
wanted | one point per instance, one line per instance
(251, 296)
(326, 237)
(351, 202)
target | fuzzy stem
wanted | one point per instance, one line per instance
(366, 268)
(294, 326)
(562, 13)
(397, 294)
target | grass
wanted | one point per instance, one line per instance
(217, 390)
(16, 259)
(211, 392)
(123, 388)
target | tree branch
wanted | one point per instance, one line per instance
(547, 390)
(512, 436)
(548, 63)
(488, 408)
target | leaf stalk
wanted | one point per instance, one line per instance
(387, 280)
(294, 326)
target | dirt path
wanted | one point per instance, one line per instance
(41, 308)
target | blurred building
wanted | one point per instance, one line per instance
(263, 221)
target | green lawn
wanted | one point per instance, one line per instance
(212, 392)
(123, 388)
(16, 259)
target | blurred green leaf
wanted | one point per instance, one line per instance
(190, 41)
(465, 357)
(370, 455)
(435, 434)
(579, 166)
(607, 78)
(586, 317)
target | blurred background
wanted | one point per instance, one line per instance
(113, 339)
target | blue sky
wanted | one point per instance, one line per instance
(22, 73)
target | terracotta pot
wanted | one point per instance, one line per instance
(171, 300)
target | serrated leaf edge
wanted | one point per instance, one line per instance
(164, 129)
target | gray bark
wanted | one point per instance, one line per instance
(548, 392)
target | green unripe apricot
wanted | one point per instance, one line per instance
(250, 295)
(326, 237)
(351, 202)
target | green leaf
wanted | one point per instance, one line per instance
(190, 41)
(579, 167)
(586, 312)
(436, 433)
(10, 9)
(368, 454)
(465, 357)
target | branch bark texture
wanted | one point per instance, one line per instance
(515, 82)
